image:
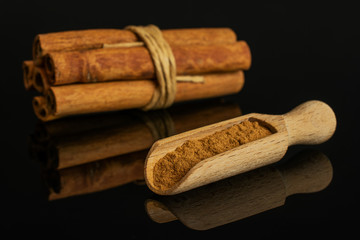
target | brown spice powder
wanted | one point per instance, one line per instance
(174, 165)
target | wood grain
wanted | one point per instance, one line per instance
(297, 126)
(313, 122)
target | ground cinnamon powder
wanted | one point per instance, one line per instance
(174, 165)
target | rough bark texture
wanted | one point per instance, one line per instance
(118, 95)
(135, 63)
(96, 38)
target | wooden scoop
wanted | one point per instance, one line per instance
(312, 122)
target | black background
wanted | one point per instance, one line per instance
(300, 52)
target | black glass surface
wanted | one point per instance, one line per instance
(299, 52)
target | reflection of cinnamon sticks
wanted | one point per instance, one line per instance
(97, 176)
(70, 142)
(119, 76)
(130, 137)
(89, 154)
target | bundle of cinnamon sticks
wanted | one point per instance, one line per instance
(89, 71)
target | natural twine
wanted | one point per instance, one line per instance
(164, 64)
(159, 122)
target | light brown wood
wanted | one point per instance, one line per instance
(158, 212)
(244, 195)
(312, 122)
(308, 172)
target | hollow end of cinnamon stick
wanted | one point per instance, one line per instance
(40, 81)
(42, 110)
(36, 102)
(49, 68)
(36, 48)
(39, 109)
(50, 101)
(27, 67)
(25, 76)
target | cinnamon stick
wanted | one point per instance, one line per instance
(135, 62)
(96, 38)
(118, 95)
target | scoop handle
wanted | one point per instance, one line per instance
(312, 122)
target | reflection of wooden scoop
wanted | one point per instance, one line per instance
(312, 122)
(244, 195)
